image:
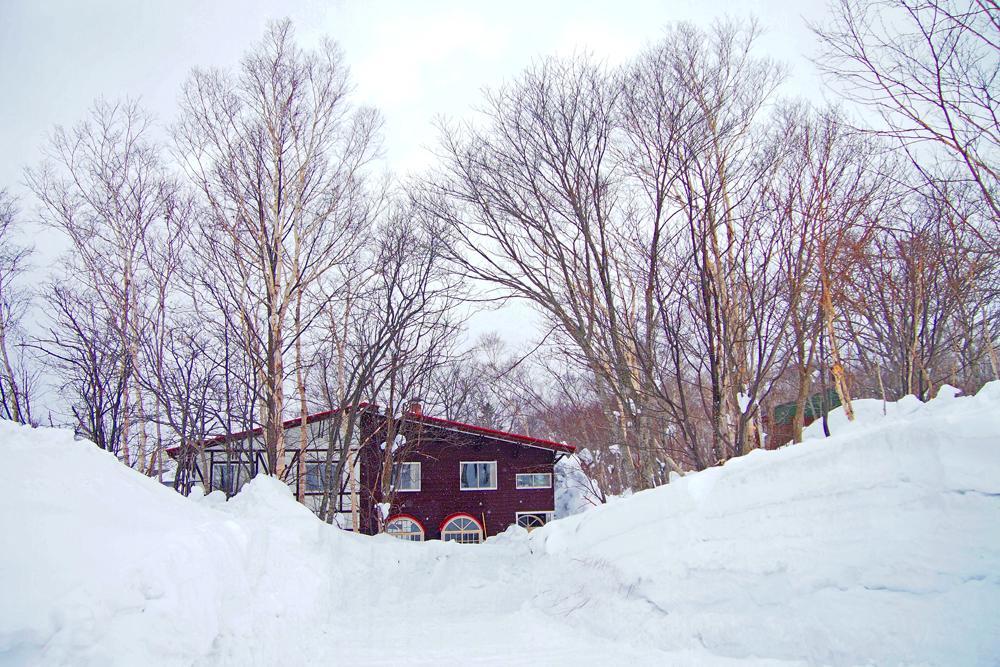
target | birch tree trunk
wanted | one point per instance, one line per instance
(836, 367)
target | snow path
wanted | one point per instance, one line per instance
(880, 545)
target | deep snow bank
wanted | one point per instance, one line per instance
(102, 566)
(878, 545)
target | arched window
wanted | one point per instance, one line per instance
(405, 528)
(463, 529)
(531, 520)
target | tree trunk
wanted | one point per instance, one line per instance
(991, 351)
(300, 488)
(836, 367)
(15, 406)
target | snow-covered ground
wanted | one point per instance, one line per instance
(880, 545)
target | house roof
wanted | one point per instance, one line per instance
(462, 427)
(436, 422)
(815, 406)
(240, 435)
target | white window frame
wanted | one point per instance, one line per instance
(518, 484)
(420, 476)
(461, 467)
(480, 530)
(405, 536)
(548, 516)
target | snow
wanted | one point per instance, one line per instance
(575, 491)
(397, 443)
(879, 545)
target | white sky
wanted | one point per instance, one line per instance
(412, 60)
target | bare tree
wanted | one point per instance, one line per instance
(279, 155)
(84, 350)
(590, 194)
(708, 168)
(17, 380)
(184, 373)
(920, 311)
(929, 71)
(836, 189)
(487, 385)
(168, 318)
(530, 201)
(104, 185)
(389, 332)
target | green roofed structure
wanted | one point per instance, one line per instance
(815, 406)
(779, 426)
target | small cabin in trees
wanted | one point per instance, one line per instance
(413, 476)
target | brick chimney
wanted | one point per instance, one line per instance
(415, 409)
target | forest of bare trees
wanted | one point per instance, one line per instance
(699, 248)
(703, 248)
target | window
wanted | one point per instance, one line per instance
(406, 476)
(534, 480)
(532, 520)
(478, 475)
(462, 529)
(314, 477)
(224, 477)
(405, 528)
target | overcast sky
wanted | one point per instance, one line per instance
(412, 60)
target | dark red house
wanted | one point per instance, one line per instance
(449, 480)
(457, 481)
